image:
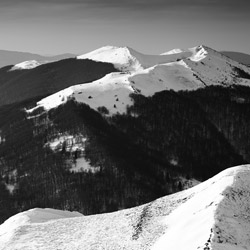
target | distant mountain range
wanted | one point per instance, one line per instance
(115, 128)
(13, 57)
(237, 56)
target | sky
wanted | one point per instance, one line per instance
(52, 27)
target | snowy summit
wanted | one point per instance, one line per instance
(176, 70)
(213, 215)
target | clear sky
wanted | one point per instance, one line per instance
(149, 26)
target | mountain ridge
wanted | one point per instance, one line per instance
(194, 68)
(211, 215)
(46, 79)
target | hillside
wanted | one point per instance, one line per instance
(212, 215)
(137, 133)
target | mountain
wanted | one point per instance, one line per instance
(147, 74)
(123, 129)
(15, 57)
(46, 79)
(237, 56)
(212, 215)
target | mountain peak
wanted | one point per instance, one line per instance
(121, 57)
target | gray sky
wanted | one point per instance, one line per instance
(149, 26)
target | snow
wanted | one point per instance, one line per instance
(26, 65)
(176, 70)
(120, 57)
(218, 197)
(71, 142)
(212, 215)
(82, 165)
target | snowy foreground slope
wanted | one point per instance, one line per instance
(176, 70)
(212, 215)
(27, 65)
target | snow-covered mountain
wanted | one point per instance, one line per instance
(213, 215)
(27, 65)
(82, 156)
(176, 70)
(42, 78)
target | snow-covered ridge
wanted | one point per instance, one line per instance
(213, 215)
(147, 74)
(26, 65)
(10, 228)
(127, 59)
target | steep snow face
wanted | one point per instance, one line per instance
(212, 215)
(147, 74)
(112, 92)
(26, 65)
(216, 216)
(213, 68)
(75, 145)
(70, 143)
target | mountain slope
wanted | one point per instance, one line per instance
(43, 80)
(212, 215)
(122, 140)
(127, 59)
(14, 57)
(195, 68)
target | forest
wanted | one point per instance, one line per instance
(138, 156)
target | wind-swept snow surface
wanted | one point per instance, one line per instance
(213, 215)
(147, 74)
